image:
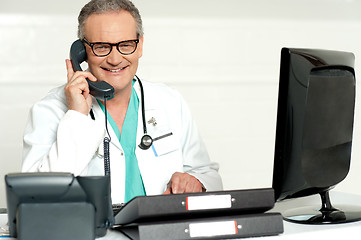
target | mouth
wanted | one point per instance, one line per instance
(116, 70)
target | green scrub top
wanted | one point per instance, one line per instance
(127, 138)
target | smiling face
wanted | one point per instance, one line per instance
(113, 27)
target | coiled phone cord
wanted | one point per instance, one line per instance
(106, 143)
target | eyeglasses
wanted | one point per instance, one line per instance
(102, 49)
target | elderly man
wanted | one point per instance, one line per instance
(66, 128)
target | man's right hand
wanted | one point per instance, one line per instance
(77, 89)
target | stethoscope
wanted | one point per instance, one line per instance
(146, 141)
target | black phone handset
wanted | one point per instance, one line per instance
(100, 90)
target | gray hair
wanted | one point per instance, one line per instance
(104, 6)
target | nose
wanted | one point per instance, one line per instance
(115, 57)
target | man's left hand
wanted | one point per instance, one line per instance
(183, 183)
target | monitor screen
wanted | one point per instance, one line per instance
(314, 121)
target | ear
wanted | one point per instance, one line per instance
(140, 47)
(88, 52)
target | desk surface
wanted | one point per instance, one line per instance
(291, 230)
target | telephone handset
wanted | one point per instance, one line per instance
(100, 90)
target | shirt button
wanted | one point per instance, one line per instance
(122, 154)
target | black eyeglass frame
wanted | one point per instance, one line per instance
(91, 45)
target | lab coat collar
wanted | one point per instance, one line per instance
(148, 103)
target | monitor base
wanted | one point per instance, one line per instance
(326, 215)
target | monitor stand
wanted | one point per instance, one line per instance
(326, 215)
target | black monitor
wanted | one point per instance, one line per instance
(314, 131)
(45, 204)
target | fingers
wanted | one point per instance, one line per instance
(168, 191)
(183, 183)
(77, 89)
(73, 75)
(177, 184)
(69, 69)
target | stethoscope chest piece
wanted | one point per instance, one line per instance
(146, 142)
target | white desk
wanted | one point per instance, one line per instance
(344, 231)
(291, 230)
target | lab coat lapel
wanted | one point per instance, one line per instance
(148, 106)
(145, 157)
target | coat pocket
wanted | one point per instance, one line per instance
(164, 144)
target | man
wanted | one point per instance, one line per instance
(62, 135)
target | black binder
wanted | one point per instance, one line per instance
(239, 226)
(195, 205)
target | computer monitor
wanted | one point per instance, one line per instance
(56, 201)
(314, 131)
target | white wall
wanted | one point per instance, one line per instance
(223, 56)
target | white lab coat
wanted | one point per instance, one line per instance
(60, 140)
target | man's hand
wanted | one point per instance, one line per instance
(183, 183)
(77, 89)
